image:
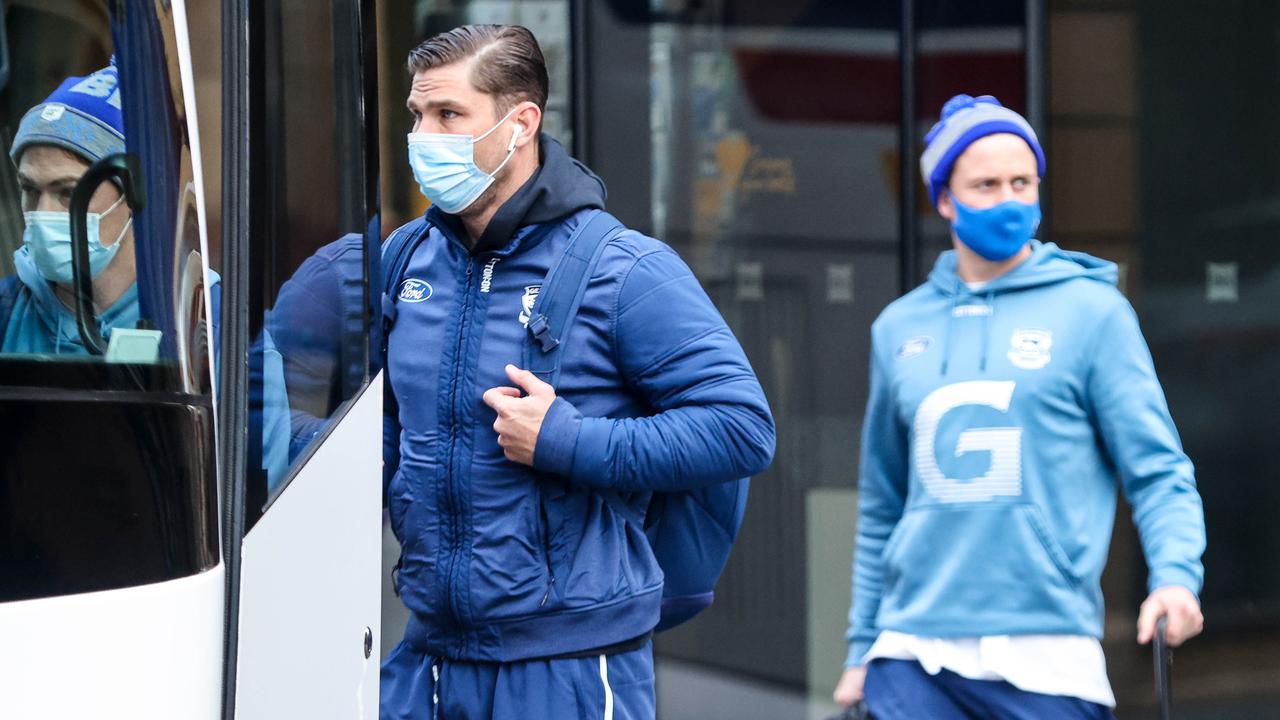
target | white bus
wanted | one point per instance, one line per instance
(190, 511)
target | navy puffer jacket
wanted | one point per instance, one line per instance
(503, 562)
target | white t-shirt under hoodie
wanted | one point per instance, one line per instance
(1070, 665)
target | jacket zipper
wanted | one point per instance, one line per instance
(451, 496)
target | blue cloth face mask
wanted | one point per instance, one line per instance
(996, 233)
(445, 167)
(48, 239)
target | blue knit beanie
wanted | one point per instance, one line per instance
(82, 115)
(966, 119)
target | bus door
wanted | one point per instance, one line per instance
(301, 420)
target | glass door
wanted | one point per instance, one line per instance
(302, 418)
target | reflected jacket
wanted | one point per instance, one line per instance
(998, 423)
(318, 325)
(503, 562)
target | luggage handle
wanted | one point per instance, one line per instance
(1163, 656)
(856, 711)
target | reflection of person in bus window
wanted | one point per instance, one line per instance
(56, 142)
(318, 327)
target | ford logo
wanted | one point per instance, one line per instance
(914, 346)
(415, 291)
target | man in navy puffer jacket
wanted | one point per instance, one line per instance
(531, 595)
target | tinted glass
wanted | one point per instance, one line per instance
(1160, 159)
(107, 479)
(309, 301)
(139, 507)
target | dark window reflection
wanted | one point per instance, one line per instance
(309, 301)
(107, 479)
(138, 506)
(1209, 268)
(318, 325)
(1159, 159)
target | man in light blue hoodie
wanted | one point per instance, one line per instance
(57, 140)
(1008, 395)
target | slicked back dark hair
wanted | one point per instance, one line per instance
(506, 61)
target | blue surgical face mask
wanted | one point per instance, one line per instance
(48, 239)
(996, 233)
(445, 167)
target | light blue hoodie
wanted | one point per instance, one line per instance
(998, 423)
(41, 324)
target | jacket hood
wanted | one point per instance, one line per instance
(1048, 264)
(561, 186)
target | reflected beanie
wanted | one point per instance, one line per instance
(82, 115)
(966, 119)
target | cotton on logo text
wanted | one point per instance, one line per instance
(486, 275)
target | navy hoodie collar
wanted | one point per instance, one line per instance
(559, 187)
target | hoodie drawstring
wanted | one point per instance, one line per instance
(986, 330)
(951, 319)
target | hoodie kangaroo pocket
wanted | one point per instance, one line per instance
(947, 565)
(1052, 548)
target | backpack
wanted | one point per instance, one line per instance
(690, 532)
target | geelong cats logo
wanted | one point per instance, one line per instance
(526, 303)
(1029, 349)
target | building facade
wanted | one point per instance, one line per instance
(775, 145)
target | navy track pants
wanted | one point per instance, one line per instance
(903, 690)
(417, 686)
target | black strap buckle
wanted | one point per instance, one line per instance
(540, 327)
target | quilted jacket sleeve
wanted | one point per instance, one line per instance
(712, 423)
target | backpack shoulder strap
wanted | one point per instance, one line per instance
(561, 294)
(396, 253)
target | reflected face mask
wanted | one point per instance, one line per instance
(996, 233)
(444, 166)
(48, 238)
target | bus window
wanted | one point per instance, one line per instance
(58, 125)
(108, 479)
(310, 247)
